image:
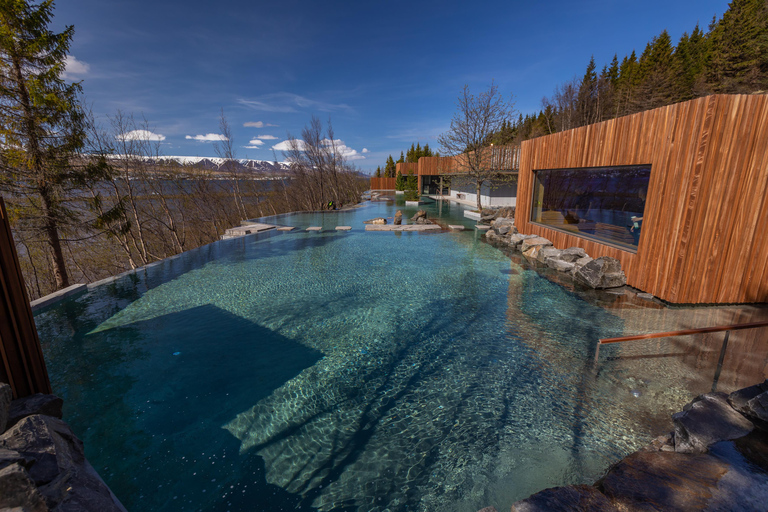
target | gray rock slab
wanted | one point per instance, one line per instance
(18, 491)
(343, 228)
(572, 498)
(573, 254)
(57, 296)
(247, 229)
(601, 273)
(648, 480)
(707, 420)
(286, 228)
(456, 227)
(482, 227)
(739, 399)
(408, 227)
(536, 241)
(50, 405)
(546, 253)
(560, 265)
(376, 221)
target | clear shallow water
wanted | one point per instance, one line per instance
(367, 371)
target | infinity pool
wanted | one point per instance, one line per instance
(367, 371)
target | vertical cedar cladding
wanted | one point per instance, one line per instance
(705, 230)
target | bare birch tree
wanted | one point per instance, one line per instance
(475, 121)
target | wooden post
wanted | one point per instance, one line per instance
(23, 366)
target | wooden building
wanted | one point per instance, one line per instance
(704, 237)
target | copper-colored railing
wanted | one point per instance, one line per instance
(703, 330)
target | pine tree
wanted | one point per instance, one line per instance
(401, 159)
(399, 181)
(737, 60)
(389, 169)
(42, 125)
(378, 172)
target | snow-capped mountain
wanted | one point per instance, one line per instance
(245, 166)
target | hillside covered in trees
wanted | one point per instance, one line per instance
(730, 57)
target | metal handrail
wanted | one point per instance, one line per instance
(719, 328)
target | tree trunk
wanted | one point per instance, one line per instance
(479, 205)
(59, 264)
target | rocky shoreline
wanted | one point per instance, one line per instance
(715, 459)
(42, 463)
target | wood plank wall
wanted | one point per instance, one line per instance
(705, 227)
(21, 358)
(382, 183)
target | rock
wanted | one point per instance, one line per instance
(50, 405)
(580, 263)
(421, 214)
(573, 254)
(574, 498)
(534, 241)
(560, 265)
(707, 420)
(665, 443)
(422, 220)
(488, 214)
(378, 220)
(6, 395)
(19, 491)
(533, 252)
(398, 218)
(57, 465)
(516, 239)
(546, 253)
(758, 407)
(488, 509)
(504, 226)
(604, 272)
(507, 212)
(739, 399)
(660, 480)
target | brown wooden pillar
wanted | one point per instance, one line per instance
(23, 366)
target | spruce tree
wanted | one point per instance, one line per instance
(399, 181)
(42, 125)
(389, 168)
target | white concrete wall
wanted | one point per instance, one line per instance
(494, 194)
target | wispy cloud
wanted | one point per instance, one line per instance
(266, 137)
(143, 135)
(255, 142)
(208, 137)
(257, 124)
(74, 68)
(287, 102)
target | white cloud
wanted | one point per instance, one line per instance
(144, 135)
(74, 68)
(349, 153)
(365, 150)
(208, 137)
(266, 137)
(257, 124)
(289, 102)
(251, 147)
(256, 142)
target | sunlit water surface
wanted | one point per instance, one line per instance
(366, 371)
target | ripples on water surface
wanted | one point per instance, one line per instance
(368, 371)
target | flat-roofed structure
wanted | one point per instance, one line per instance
(678, 194)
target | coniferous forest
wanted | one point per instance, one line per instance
(730, 57)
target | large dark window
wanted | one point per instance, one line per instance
(604, 203)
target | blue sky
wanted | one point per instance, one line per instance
(386, 73)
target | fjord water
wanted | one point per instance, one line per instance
(362, 371)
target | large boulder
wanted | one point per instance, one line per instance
(488, 214)
(504, 226)
(50, 405)
(534, 242)
(572, 498)
(56, 464)
(707, 420)
(377, 220)
(601, 273)
(18, 491)
(752, 401)
(421, 214)
(547, 253)
(6, 394)
(560, 265)
(648, 480)
(517, 239)
(507, 212)
(573, 254)
(398, 218)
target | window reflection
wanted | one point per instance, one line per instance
(604, 203)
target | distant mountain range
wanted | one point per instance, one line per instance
(243, 166)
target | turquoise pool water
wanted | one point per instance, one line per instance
(363, 371)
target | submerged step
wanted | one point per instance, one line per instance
(343, 228)
(286, 228)
(408, 227)
(456, 227)
(315, 228)
(482, 227)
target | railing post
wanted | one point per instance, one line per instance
(720, 362)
